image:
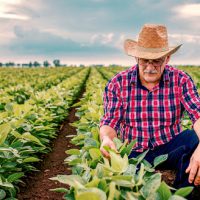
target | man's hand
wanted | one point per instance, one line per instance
(106, 141)
(107, 134)
(194, 167)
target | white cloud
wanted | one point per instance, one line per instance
(185, 38)
(102, 38)
(188, 10)
(11, 1)
(7, 10)
(13, 16)
(120, 41)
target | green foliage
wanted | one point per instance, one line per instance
(27, 128)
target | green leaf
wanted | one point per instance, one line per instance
(118, 164)
(16, 134)
(141, 175)
(75, 162)
(9, 107)
(184, 191)
(73, 152)
(164, 191)
(112, 191)
(9, 165)
(14, 177)
(118, 143)
(151, 185)
(141, 156)
(31, 159)
(160, 159)
(176, 197)
(4, 130)
(130, 146)
(127, 150)
(93, 183)
(131, 170)
(69, 196)
(28, 136)
(72, 180)
(121, 177)
(6, 184)
(131, 196)
(124, 183)
(61, 190)
(2, 194)
(90, 142)
(103, 185)
(92, 194)
(95, 153)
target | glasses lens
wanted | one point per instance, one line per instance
(156, 62)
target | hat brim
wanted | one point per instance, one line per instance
(130, 47)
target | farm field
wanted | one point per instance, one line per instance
(54, 113)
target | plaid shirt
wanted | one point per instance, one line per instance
(151, 117)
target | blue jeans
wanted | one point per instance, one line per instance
(179, 151)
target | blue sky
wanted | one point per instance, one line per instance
(93, 31)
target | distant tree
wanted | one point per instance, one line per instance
(30, 64)
(46, 63)
(1, 64)
(36, 64)
(10, 64)
(25, 65)
(56, 62)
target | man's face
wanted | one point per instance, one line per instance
(150, 71)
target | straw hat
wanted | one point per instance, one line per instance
(152, 43)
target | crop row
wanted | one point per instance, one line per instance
(19, 88)
(26, 129)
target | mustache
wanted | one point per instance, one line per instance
(150, 71)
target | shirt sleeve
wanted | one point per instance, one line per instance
(113, 107)
(190, 99)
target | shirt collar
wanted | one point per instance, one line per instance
(135, 72)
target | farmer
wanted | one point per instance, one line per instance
(146, 103)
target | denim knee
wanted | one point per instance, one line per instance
(192, 140)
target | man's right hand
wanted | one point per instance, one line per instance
(107, 141)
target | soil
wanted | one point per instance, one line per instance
(37, 185)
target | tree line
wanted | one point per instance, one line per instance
(46, 63)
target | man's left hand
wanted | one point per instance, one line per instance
(194, 167)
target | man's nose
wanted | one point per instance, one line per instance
(150, 65)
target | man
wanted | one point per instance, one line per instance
(146, 103)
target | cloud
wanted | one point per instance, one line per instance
(102, 38)
(7, 10)
(188, 10)
(185, 38)
(36, 42)
(13, 16)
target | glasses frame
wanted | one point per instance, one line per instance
(155, 62)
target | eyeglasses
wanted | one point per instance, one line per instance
(155, 62)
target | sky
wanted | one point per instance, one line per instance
(93, 31)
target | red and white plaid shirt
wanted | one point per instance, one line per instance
(151, 117)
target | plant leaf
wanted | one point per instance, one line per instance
(184, 191)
